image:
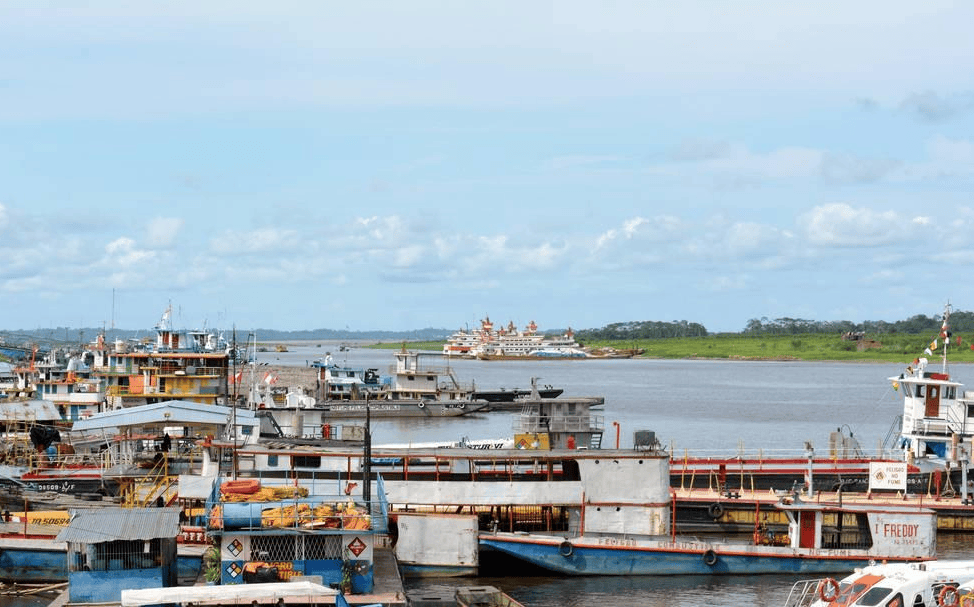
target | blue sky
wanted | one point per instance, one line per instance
(400, 165)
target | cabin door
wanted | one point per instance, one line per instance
(806, 530)
(932, 402)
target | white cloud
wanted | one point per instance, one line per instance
(659, 228)
(122, 252)
(263, 240)
(748, 238)
(841, 225)
(934, 107)
(162, 231)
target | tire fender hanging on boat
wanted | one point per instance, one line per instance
(710, 558)
(421, 404)
(566, 549)
(715, 510)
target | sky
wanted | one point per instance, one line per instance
(387, 165)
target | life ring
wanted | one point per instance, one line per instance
(948, 597)
(566, 549)
(715, 510)
(824, 591)
(710, 558)
(421, 404)
(461, 406)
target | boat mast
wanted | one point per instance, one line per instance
(945, 336)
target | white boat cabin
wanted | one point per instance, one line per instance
(938, 416)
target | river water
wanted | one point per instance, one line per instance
(695, 406)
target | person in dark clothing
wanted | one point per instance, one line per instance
(166, 442)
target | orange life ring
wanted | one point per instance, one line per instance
(823, 587)
(242, 486)
(948, 596)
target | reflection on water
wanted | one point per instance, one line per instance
(619, 591)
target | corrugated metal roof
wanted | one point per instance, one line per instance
(29, 410)
(96, 525)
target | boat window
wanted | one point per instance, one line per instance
(307, 461)
(848, 593)
(874, 596)
(272, 461)
(896, 601)
(919, 390)
(970, 410)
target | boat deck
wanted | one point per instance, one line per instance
(708, 510)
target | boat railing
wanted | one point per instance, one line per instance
(932, 426)
(757, 457)
(956, 422)
(276, 508)
(532, 423)
(803, 593)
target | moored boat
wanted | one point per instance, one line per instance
(945, 583)
(926, 452)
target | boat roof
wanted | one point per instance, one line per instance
(168, 413)
(98, 525)
(265, 593)
(29, 410)
(797, 505)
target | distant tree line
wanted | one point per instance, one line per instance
(960, 322)
(647, 329)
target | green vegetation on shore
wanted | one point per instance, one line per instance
(886, 348)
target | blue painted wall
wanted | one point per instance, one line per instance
(107, 586)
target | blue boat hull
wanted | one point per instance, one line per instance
(25, 564)
(30, 565)
(569, 559)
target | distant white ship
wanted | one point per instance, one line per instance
(510, 343)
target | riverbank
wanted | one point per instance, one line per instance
(887, 348)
